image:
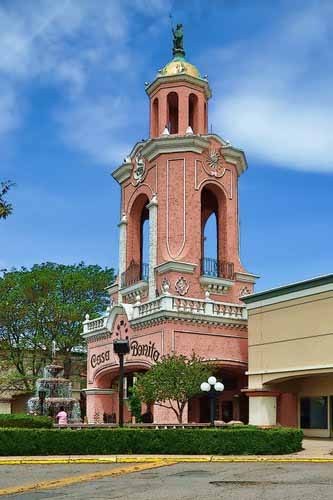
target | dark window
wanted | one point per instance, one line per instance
(155, 118)
(314, 413)
(173, 113)
(193, 112)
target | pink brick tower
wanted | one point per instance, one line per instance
(179, 286)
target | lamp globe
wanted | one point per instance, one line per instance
(212, 380)
(219, 387)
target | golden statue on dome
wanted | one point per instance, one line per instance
(178, 39)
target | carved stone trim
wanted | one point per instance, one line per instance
(112, 288)
(246, 277)
(171, 265)
(217, 286)
(123, 172)
(96, 392)
(174, 144)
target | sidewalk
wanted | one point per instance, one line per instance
(314, 450)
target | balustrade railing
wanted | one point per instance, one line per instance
(228, 310)
(150, 307)
(217, 268)
(134, 273)
(174, 305)
(188, 305)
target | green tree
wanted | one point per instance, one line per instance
(45, 303)
(134, 403)
(5, 207)
(172, 382)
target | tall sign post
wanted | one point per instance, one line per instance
(121, 347)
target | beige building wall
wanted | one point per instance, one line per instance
(290, 338)
(291, 351)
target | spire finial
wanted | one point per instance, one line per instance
(178, 40)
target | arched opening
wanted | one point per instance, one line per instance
(172, 102)
(193, 112)
(144, 244)
(138, 243)
(210, 237)
(209, 233)
(214, 234)
(155, 118)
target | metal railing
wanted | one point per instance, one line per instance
(217, 268)
(134, 273)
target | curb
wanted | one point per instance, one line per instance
(158, 458)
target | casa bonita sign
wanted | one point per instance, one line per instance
(136, 349)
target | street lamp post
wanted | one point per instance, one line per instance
(121, 347)
(41, 396)
(212, 387)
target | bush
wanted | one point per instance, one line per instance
(236, 441)
(22, 420)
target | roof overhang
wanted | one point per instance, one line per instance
(197, 82)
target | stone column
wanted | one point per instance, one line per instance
(152, 207)
(122, 250)
(262, 407)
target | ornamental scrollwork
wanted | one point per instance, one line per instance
(139, 168)
(182, 286)
(245, 291)
(214, 162)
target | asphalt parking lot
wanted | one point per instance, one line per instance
(232, 481)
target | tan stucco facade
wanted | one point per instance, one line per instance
(291, 353)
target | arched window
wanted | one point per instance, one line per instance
(193, 112)
(214, 234)
(206, 118)
(172, 101)
(155, 118)
(209, 233)
(210, 237)
(144, 243)
(138, 243)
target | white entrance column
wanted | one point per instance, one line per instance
(122, 251)
(262, 407)
(152, 207)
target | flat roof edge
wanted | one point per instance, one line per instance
(290, 288)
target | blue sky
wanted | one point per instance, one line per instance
(72, 104)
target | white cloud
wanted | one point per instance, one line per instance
(96, 127)
(79, 46)
(276, 98)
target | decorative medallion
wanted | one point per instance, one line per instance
(139, 168)
(182, 286)
(245, 291)
(214, 162)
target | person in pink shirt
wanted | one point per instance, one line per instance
(62, 416)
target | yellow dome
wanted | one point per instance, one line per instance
(179, 66)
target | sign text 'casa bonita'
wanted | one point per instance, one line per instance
(147, 350)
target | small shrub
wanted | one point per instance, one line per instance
(237, 441)
(23, 420)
